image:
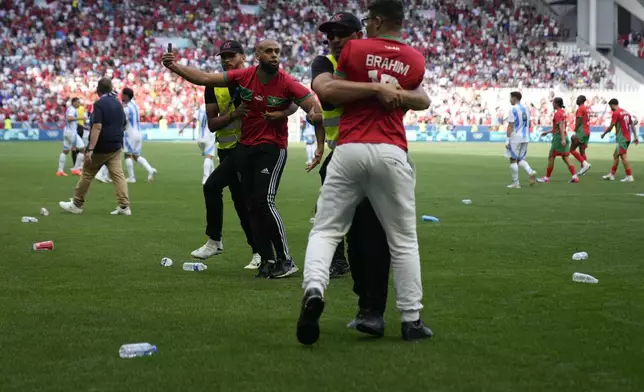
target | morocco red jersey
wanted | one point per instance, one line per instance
(582, 112)
(378, 60)
(559, 117)
(274, 95)
(622, 121)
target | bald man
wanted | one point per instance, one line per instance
(260, 155)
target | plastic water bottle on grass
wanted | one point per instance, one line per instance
(194, 267)
(137, 350)
(583, 278)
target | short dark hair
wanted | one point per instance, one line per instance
(516, 94)
(128, 92)
(74, 100)
(391, 11)
(613, 102)
(104, 86)
(559, 102)
(582, 98)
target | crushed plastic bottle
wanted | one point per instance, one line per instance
(44, 212)
(134, 350)
(466, 201)
(29, 219)
(580, 256)
(429, 218)
(583, 278)
(194, 267)
(166, 262)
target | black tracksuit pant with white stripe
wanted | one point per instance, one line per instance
(260, 170)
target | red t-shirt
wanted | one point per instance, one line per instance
(276, 95)
(622, 120)
(559, 116)
(582, 111)
(379, 60)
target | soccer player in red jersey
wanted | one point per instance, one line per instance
(260, 155)
(560, 144)
(371, 161)
(580, 138)
(624, 124)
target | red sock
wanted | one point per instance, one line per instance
(572, 169)
(578, 156)
(549, 171)
(584, 156)
(613, 170)
(629, 172)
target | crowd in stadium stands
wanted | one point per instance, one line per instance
(51, 51)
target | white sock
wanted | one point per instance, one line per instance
(80, 159)
(145, 164)
(526, 167)
(129, 163)
(514, 170)
(62, 158)
(208, 167)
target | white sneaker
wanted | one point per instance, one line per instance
(69, 206)
(584, 168)
(151, 174)
(254, 262)
(102, 179)
(209, 249)
(131, 180)
(533, 177)
(627, 179)
(515, 185)
(122, 211)
(609, 177)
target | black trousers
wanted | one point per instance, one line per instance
(368, 254)
(225, 175)
(79, 130)
(260, 170)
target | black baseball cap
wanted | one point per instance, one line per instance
(342, 19)
(231, 47)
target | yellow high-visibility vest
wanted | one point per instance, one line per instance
(332, 117)
(227, 137)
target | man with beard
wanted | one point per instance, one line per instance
(260, 156)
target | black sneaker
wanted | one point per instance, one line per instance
(370, 323)
(283, 269)
(339, 267)
(265, 269)
(308, 327)
(415, 330)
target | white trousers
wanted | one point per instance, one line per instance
(385, 175)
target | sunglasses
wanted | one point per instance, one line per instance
(338, 33)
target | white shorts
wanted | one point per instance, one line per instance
(132, 144)
(71, 139)
(517, 151)
(207, 146)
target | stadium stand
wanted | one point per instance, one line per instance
(476, 51)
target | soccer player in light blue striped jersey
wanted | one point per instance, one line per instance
(205, 140)
(518, 136)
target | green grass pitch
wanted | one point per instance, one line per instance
(496, 274)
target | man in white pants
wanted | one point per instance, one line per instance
(518, 136)
(370, 160)
(71, 140)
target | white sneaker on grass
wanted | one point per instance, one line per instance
(254, 262)
(69, 206)
(122, 211)
(209, 249)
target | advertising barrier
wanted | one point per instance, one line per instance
(430, 134)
